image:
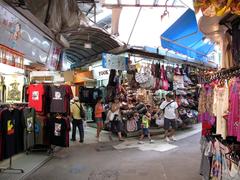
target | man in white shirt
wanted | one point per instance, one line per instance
(169, 108)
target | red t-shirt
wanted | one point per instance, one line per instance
(35, 96)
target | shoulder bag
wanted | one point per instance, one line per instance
(82, 114)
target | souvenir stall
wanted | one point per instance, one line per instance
(144, 85)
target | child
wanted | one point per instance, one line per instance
(145, 128)
(98, 116)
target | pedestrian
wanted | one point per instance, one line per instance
(116, 118)
(98, 117)
(77, 120)
(170, 113)
(146, 119)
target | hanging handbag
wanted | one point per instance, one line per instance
(164, 82)
(141, 77)
(170, 73)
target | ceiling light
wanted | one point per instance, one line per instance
(88, 45)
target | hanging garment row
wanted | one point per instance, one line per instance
(16, 129)
(46, 98)
(220, 158)
(219, 107)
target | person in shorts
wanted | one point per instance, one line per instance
(145, 128)
(98, 117)
(169, 108)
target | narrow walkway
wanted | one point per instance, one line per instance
(98, 159)
(104, 162)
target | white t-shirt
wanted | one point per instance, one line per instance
(169, 112)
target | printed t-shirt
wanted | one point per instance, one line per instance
(59, 131)
(40, 124)
(14, 87)
(35, 96)
(28, 117)
(8, 133)
(169, 111)
(57, 95)
(98, 111)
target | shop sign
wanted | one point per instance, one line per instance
(111, 61)
(21, 36)
(100, 73)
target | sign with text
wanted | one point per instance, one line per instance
(100, 73)
(111, 61)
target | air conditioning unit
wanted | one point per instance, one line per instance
(63, 41)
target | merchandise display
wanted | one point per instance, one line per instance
(64, 70)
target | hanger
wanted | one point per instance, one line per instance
(58, 116)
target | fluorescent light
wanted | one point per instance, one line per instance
(88, 45)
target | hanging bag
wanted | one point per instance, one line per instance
(170, 73)
(164, 82)
(141, 77)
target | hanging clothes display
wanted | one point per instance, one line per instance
(16, 129)
(14, 88)
(35, 93)
(28, 117)
(58, 130)
(221, 137)
(234, 109)
(221, 94)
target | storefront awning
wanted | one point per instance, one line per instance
(185, 38)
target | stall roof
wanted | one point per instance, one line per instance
(184, 37)
(100, 41)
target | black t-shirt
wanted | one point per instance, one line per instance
(8, 133)
(19, 131)
(57, 95)
(58, 131)
(28, 119)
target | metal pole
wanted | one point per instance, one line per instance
(134, 25)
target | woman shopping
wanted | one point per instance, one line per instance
(115, 118)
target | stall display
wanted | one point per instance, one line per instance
(146, 84)
(220, 127)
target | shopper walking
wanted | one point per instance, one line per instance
(77, 120)
(146, 119)
(169, 108)
(98, 117)
(115, 118)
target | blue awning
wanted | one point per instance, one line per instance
(185, 38)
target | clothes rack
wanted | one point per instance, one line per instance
(10, 168)
(222, 74)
